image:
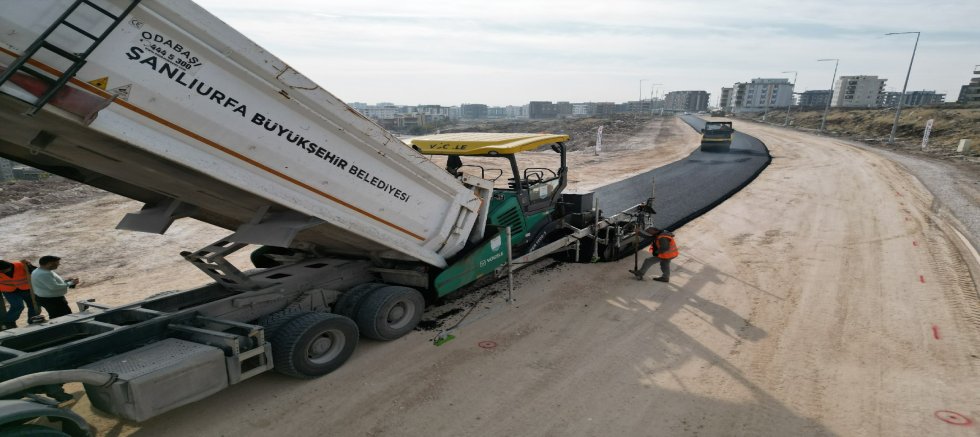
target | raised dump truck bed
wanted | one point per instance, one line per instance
(195, 120)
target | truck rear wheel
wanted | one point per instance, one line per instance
(272, 322)
(390, 312)
(350, 302)
(313, 344)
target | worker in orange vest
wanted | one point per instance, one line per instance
(3, 311)
(15, 284)
(663, 249)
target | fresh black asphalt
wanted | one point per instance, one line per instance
(690, 187)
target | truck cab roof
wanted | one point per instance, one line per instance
(483, 143)
(718, 125)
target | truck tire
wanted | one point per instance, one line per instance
(272, 322)
(390, 312)
(31, 431)
(349, 302)
(313, 344)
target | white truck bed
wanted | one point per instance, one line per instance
(207, 124)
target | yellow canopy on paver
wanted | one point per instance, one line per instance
(483, 143)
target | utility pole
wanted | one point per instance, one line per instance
(790, 104)
(901, 99)
(826, 109)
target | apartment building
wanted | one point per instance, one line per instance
(473, 111)
(381, 111)
(858, 92)
(542, 110)
(605, 108)
(434, 110)
(690, 101)
(583, 109)
(815, 98)
(496, 112)
(761, 94)
(564, 109)
(970, 93)
(725, 99)
(913, 98)
(516, 111)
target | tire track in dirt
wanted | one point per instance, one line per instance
(957, 284)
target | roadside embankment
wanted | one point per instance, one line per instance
(873, 126)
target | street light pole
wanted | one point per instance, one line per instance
(651, 102)
(653, 87)
(826, 109)
(639, 108)
(664, 105)
(898, 110)
(790, 104)
(768, 98)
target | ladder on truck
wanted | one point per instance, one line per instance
(77, 59)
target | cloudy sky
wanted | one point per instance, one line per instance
(508, 52)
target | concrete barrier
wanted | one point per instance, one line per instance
(963, 147)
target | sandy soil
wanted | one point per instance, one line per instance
(826, 298)
(21, 196)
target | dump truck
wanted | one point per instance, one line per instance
(163, 103)
(716, 136)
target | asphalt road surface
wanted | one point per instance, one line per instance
(690, 187)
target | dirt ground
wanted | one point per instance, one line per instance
(21, 196)
(826, 298)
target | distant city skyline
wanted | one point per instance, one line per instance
(511, 52)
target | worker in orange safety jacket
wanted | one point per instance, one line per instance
(15, 284)
(663, 249)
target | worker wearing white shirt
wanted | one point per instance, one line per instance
(50, 288)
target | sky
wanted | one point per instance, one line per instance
(509, 52)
